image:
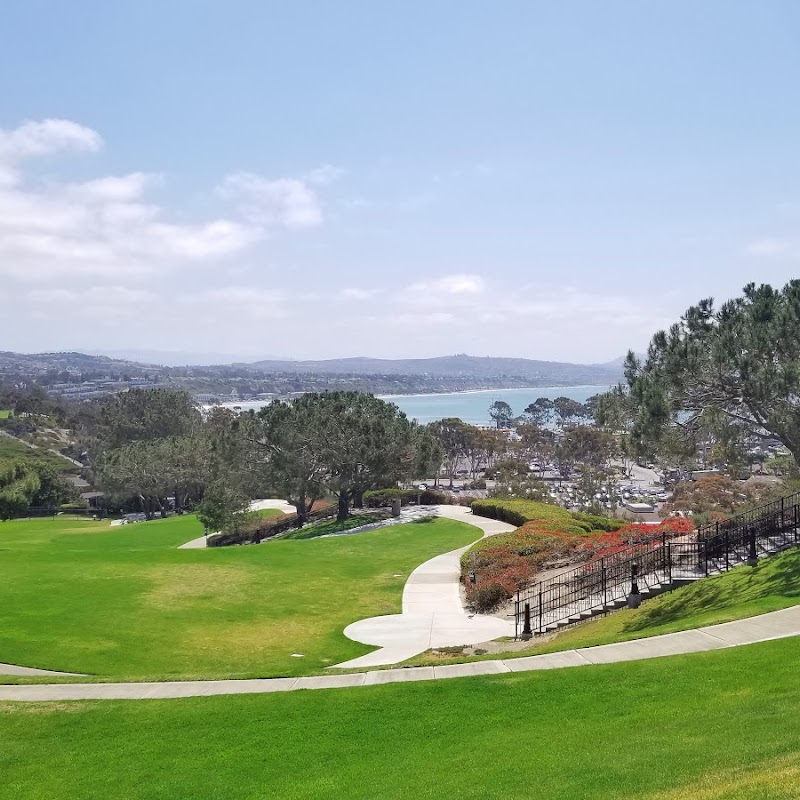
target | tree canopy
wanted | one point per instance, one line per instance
(737, 365)
(339, 442)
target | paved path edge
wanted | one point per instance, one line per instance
(752, 630)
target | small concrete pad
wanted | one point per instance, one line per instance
(470, 668)
(331, 681)
(32, 672)
(669, 644)
(394, 654)
(569, 658)
(196, 544)
(399, 676)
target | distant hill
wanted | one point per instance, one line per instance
(393, 376)
(540, 372)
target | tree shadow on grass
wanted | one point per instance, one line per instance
(778, 576)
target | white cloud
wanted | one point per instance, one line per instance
(458, 284)
(233, 303)
(773, 247)
(358, 294)
(47, 136)
(107, 228)
(324, 175)
(286, 202)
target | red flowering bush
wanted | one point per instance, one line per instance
(506, 563)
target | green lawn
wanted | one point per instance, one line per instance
(774, 583)
(123, 603)
(702, 727)
(5, 413)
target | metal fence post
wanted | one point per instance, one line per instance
(705, 556)
(669, 563)
(727, 550)
(604, 580)
(752, 555)
(540, 609)
(783, 516)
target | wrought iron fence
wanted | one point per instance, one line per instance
(605, 583)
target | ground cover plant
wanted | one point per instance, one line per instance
(548, 537)
(125, 603)
(705, 726)
(13, 450)
(248, 528)
(328, 527)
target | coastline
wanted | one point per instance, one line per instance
(599, 386)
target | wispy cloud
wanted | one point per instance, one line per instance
(106, 227)
(773, 246)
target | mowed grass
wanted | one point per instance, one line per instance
(124, 603)
(5, 413)
(773, 584)
(700, 727)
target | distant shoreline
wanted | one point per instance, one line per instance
(498, 389)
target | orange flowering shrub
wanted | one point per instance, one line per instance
(506, 563)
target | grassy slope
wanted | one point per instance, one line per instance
(743, 592)
(18, 451)
(124, 603)
(701, 727)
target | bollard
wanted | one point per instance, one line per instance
(752, 552)
(527, 632)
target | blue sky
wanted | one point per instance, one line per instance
(534, 179)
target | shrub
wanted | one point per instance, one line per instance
(378, 498)
(518, 512)
(597, 522)
(506, 563)
(253, 531)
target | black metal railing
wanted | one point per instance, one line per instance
(661, 563)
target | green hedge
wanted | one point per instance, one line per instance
(378, 498)
(597, 523)
(518, 512)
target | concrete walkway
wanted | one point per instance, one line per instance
(775, 625)
(32, 672)
(433, 615)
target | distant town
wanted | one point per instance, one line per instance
(78, 376)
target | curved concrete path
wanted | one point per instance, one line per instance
(432, 615)
(775, 625)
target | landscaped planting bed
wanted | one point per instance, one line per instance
(548, 537)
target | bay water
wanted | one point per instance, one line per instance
(472, 407)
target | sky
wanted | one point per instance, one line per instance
(315, 180)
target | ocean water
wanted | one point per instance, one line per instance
(472, 407)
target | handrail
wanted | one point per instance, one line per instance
(660, 561)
